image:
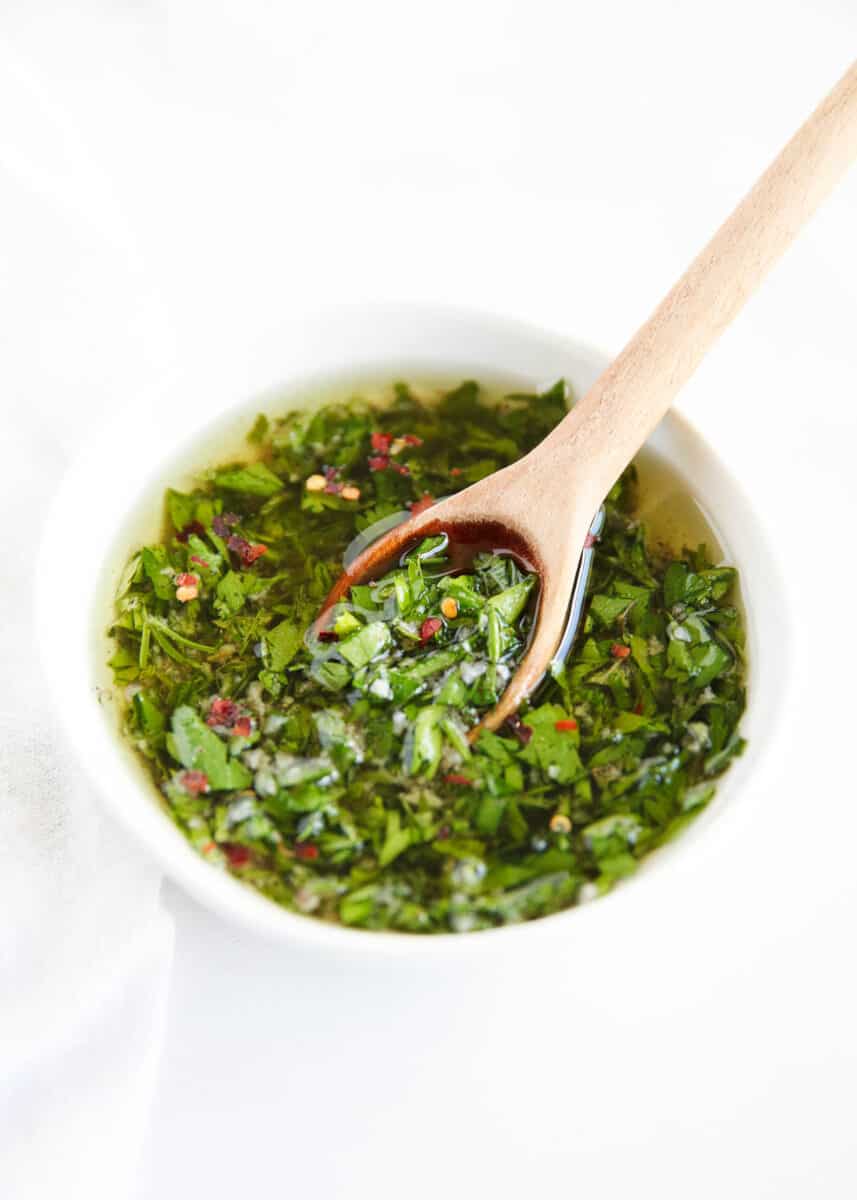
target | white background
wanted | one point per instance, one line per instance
(173, 173)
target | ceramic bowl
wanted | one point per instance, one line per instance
(111, 500)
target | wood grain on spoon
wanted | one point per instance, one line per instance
(541, 506)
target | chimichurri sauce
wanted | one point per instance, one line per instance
(333, 773)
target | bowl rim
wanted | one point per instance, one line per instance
(151, 826)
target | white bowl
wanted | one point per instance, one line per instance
(111, 499)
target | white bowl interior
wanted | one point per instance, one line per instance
(200, 412)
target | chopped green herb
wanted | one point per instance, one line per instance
(332, 771)
(255, 480)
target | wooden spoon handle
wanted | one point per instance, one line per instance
(612, 421)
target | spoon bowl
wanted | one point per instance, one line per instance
(470, 529)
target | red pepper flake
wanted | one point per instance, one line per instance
(521, 731)
(455, 470)
(638, 708)
(194, 782)
(222, 524)
(402, 469)
(222, 712)
(246, 553)
(208, 847)
(200, 562)
(460, 780)
(412, 439)
(185, 579)
(429, 628)
(620, 651)
(191, 527)
(333, 486)
(306, 851)
(567, 726)
(382, 442)
(590, 540)
(418, 506)
(238, 856)
(328, 635)
(243, 727)
(379, 462)
(443, 833)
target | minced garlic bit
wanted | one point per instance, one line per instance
(449, 607)
(316, 483)
(350, 492)
(560, 823)
(187, 587)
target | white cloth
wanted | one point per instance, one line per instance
(85, 945)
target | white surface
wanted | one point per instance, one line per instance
(560, 164)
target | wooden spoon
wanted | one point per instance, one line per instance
(540, 507)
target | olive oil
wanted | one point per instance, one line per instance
(672, 515)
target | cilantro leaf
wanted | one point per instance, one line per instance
(553, 751)
(283, 642)
(253, 480)
(198, 748)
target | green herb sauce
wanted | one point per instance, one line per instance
(335, 776)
